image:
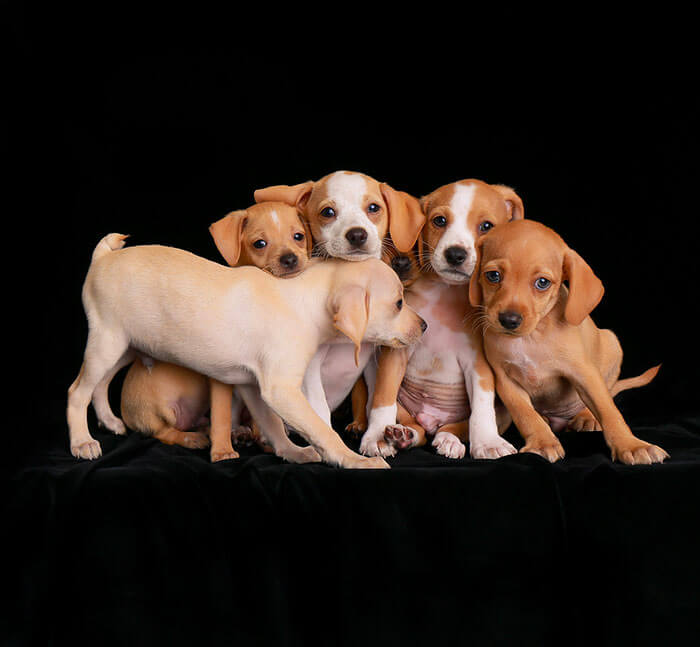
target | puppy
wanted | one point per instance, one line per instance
(434, 387)
(238, 326)
(168, 401)
(554, 368)
(350, 215)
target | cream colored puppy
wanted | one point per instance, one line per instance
(170, 402)
(239, 326)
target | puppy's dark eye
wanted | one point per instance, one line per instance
(399, 304)
(439, 221)
(493, 276)
(373, 208)
(485, 226)
(259, 244)
(328, 212)
(298, 236)
(542, 283)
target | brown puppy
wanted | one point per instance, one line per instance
(170, 402)
(554, 368)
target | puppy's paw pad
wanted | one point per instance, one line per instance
(400, 436)
(242, 435)
(491, 450)
(448, 445)
(89, 450)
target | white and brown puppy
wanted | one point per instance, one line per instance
(350, 215)
(170, 402)
(443, 386)
(225, 323)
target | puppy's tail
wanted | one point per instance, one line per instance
(635, 382)
(109, 243)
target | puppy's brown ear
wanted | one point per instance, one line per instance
(227, 235)
(307, 236)
(296, 195)
(350, 308)
(585, 288)
(476, 296)
(514, 203)
(406, 217)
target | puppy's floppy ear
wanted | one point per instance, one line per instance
(296, 195)
(406, 217)
(227, 235)
(350, 308)
(307, 235)
(476, 295)
(514, 203)
(585, 288)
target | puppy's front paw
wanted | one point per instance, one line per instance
(448, 445)
(300, 455)
(242, 435)
(365, 463)
(549, 448)
(89, 450)
(372, 444)
(114, 424)
(223, 455)
(196, 440)
(639, 453)
(496, 448)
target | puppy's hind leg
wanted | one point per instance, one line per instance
(272, 428)
(103, 351)
(100, 397)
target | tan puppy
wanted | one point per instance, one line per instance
(168, 401)
(432, 389)
(554, 368)
(238, 326)
(354, 217)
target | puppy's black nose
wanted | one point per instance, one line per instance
(455, 255)
(356, 236)
(289, 261)
(509, 320)
(423, 325)
(401, 264)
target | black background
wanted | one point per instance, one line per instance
(155, 121)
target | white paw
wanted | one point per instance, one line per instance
(369, 445)
(495, 448)
(448, 445)
(89, 450)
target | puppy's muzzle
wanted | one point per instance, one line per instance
(357, 236)
(289, 261)
(510, 320)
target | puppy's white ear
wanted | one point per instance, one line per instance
(406, 217)
(350, 307)
(514, 203)
(585, 288)
(476, 295)
(227, 235)
(296, 195)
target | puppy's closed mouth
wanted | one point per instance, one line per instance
(455, 274)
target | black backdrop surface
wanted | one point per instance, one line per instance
(156, 122)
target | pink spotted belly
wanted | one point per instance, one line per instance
(434, 404)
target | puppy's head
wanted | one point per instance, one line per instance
(367, 305)
(518, 278)
(349, 214)
(457, 215)
(270, 235)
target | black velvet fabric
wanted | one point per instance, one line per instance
(154, 545)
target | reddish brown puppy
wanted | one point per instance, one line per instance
(553, 367)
